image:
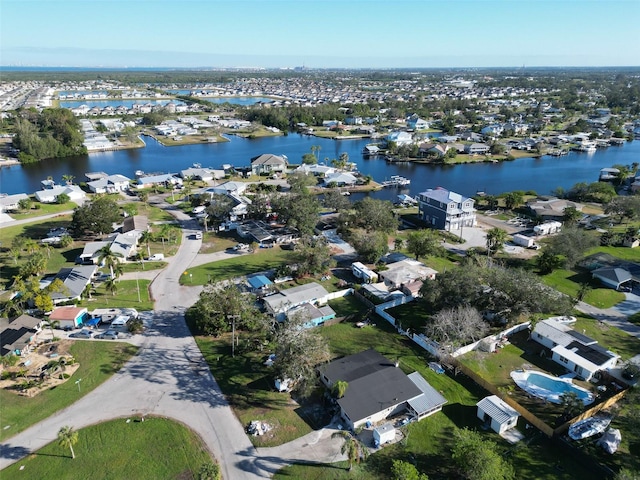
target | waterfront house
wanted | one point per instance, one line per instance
(267, 164)
(316, 170)
(110, 184)
(575, 351)
(163, 179)
(377, 389)
(399, 138)
(477, 149)
(50, 195)
(340, 179)
(446, 210)
(18, 335)
(204, 174)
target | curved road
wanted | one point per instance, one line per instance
(170, 378)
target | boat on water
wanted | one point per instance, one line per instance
(396, 181)
(589, 427)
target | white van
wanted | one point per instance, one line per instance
(156, 257)
(199, 209)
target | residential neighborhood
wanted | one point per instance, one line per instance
(289, 312)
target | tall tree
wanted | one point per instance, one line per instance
(312, 255)
(571, 215)
(452, 328)
(95, 217)
(423, 242)
(146, 237)
(68, 437)
(401, 470)
(370, 246)
(299, 351)
(68, 179)
(376, 215)
(571, 244)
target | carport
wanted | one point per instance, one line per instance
(612, 276)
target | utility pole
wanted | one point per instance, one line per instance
(233, 333)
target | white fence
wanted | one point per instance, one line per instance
(340, 294)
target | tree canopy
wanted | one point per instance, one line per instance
(478, 459)
(95, 217)
(571, 244)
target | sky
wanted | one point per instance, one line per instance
(319, 34)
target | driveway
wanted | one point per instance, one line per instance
(169, 377)
(630, 305)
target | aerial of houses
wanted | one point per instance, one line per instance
(267, 164)
(18, 335)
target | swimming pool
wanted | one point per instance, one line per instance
(550, 388)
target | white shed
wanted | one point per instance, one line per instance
(384, 434)
(497, 413)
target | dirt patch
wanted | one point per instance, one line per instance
(48, 366)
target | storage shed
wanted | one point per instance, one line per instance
(500, 416)
(71, 317)
(384, 434)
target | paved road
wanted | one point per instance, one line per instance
(170, 378)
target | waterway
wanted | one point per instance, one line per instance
(115, 102)
(543, 174)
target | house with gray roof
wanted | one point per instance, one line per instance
(18, 335)
(75, 279)
(573, 350)
(11, 202)
(446, 210)
(91, 252)
(280, 303)
(378, 389)
(268, 163)
(110, 184)
(50, 195)
(612, 277)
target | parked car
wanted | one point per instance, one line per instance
(156, 257)
(197, 236)
(81, 334)
(108, 335)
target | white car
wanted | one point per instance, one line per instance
(197, 236)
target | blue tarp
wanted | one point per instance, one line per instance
(92, 322)
(259, 281)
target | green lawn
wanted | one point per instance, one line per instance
(248, 386)
(141, 266)
(212, 242)
(348, 305)
(569, 282)
(153, 449)
(125, 297)
(428, 443)
(261, 260)
(98, 361)
(623, 253)
(42, 209)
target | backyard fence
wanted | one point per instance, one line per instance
(340, 294)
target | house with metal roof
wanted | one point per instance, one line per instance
(377, 389)
(573, 350)
(109, 184)
(50, 195)
(405, 272)
(11, 202)
(75, 280)
(497, 414)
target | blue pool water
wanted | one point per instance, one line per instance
(548, 387)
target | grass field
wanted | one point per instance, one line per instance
(98, 361)
(259, 261)
(42, 209)
(569, 282)
(125, 297)
(153, 449)
(248, 386)
(623, 253)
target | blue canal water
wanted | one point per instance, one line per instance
(542, 174)
(115, 103)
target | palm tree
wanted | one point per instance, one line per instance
(110, 258)
(146, 238)
(352, 447)
(315, 149)
(495, 240)
(68, 437)
(111, 286)
(68, 179)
